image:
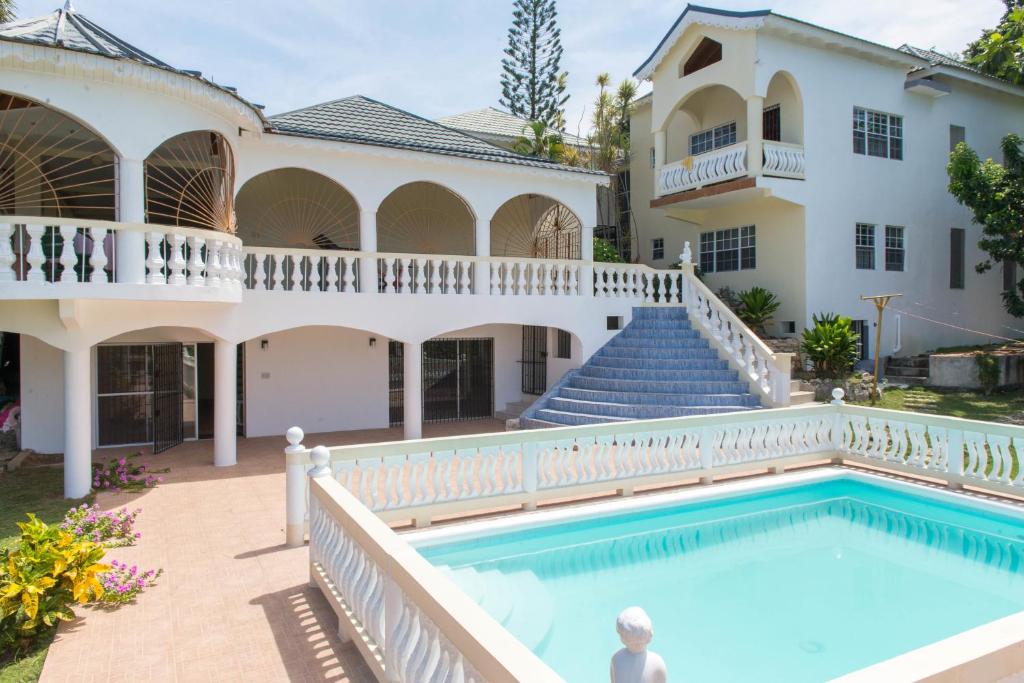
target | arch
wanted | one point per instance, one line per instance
(535, 226)
(425, 218)
(297, 208)
(190, 180)
(784, 93)
(700, 110)
(51, 164)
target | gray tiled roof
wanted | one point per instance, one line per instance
(362, 120)
(491, 121)
(937, 58)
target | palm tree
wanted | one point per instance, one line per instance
(7, 9)
(539, 142)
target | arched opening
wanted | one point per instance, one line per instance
(296, 208)
(704, 55)
(190, 182)
(535, 226)
(52, 165)
(706, 120)
(783, 110)
(425, 218)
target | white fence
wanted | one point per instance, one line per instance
(413, 625)
(783, 159)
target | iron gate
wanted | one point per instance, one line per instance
(458, 380)
(167, 390)
(534, 360)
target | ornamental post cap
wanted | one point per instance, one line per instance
(294, 435)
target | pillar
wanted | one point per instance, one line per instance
(77, 423)
(368, 243)
(660, 147)
(587, 256)
(130, 264)
(225, 379)
(482, 273)
(412, 400)
(755, 134)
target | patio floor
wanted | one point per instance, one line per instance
(234, 602)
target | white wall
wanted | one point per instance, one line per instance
(42, 396)
(557, 367)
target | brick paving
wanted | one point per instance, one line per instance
(234, 602)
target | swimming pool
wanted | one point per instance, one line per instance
(804, 580)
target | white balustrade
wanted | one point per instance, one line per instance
(716, 166)
(783, 159)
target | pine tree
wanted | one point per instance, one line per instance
(532, 86)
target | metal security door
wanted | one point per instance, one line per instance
(167, 394)
(535, 359)
(458, 380)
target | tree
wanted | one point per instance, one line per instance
(532, 86)
(7, 10)
(540, 142)
(1000, 51)
(610, 136)
(995, 195)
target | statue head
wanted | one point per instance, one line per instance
(635, 629)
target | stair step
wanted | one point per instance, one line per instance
(645, 342)
(660, 324)
(659, 375)
(531, 620)
(914, 381)
(658, 363)
(797, 398)
(636, 412)
(651, 398)
(694, 353)
(561, 419)
(899, 371)
(650, 386)
(658, 312)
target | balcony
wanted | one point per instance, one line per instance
(779, 159)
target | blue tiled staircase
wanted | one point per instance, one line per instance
(658, 366)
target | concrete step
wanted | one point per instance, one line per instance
(649, 386)
(659, 375)
(797, 398)
(658, 363)
(912, 381)
(695, 342)
(907, 371)
(647, 398)
(659, 324)
(637, 412)
(693, 353)
(560, 418)
(660, 312)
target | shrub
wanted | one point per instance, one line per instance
(605, 252)
(112, 529)
(42, 578)
(757, 306)
(124, 475)
(728, 297)
(988, 372)
(831, 345)
(123, 583)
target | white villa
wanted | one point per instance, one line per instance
(813, 163)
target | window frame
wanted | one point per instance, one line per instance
(737, 246)
(961, 133)
(891, 249)
(563, 344)
(657, 248)
(957, 258)
(872, 128)
(716, 137)
(863, 246)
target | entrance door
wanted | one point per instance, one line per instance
(458, 380)
(167, 391)
(535, 359)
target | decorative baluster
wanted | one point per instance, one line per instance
(196, 265)
(331, 275)
(7, 272)
(464, 279)
(68, 259)
(98, 257)
(155, 261)
(506, 278)
(213, 262)
(671, 293)
(599, 274)
(404, 276)
(177, 259)
(520, 281)
(543, 272)
(297, 278)
(421, 275)
(648, 288)
(349, 278)
(227, 269)
(495, 277)
(315, 263)
(434, 277)
(749, 359)
(572, 287)
(534, 279)
(449, 277)
(389, 279)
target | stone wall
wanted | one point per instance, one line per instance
(960, 370)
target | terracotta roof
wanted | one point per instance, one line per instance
(363, 120)
(498, 123)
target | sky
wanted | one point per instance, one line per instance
(440, 57)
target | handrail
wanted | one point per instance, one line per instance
(119, 226)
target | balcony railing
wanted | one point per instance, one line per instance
(781, 159)
(391, 601)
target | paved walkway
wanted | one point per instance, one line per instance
(233, 603)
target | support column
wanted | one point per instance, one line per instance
(482, 273)
(225, 385)
(130, 255)
(587, 256)
(660, 147)
(755, 134)
(368, 243)
(77, 423)
(412, 400)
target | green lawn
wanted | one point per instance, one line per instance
(967, 404)
(39, 490)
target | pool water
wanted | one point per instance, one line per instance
(800, 583)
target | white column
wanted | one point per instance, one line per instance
(131, 202)
(77, 423)
(755, 134)
(660, 148)
(225, 363)
(587, 256)
(368, 243)
(482, 276)
(412, 381)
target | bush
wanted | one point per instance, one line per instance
(605, 252)
(124, 475)
(42, 578)
(112, 529)
(831, 345)
(757, 306)
(988, 372)
(123, 583)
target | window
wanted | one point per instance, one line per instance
(563, 347)
(861, 328)
(713, 138)
(652, 157)
(1009, 276)
(865, 246)
(657, 248)
(957, 134)
(728, 250)
(788, 326)
(771, 123)
(705, 54)
(876, 134)
(895, 254)
(956, 258)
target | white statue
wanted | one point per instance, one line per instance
(635, 663)
(687, 255)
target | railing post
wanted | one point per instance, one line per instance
(781, 378)
(530, 475)
(705, 446)
(955, 454)
(838, 443)
(295, 488)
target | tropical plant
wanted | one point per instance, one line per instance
(7, 10)
(124, 474)
(999, 51)
(539, 141)
(610, 136)
(123, 583)
(112, 529)
(605, 252)
(532, 84)
(995, 195)
(831, 345)
(41, 579)
(757, 306)
(988, 372)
